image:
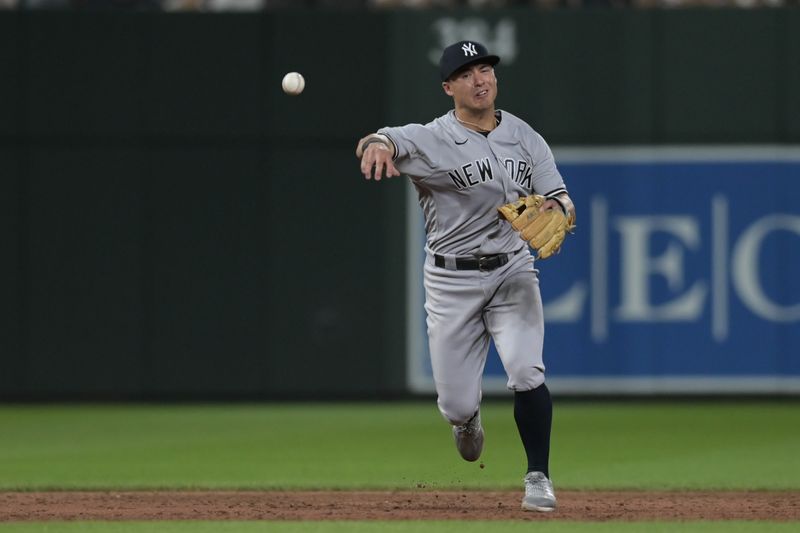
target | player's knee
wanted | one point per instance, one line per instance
(457, 410)
(525, 378)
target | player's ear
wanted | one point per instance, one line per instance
(447, 90)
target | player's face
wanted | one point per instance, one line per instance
(474, 88)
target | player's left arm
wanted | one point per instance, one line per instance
(543, 218)
(547, 180)
(563, 202)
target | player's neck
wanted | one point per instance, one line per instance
(485, 121)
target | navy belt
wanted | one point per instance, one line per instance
(485, 263)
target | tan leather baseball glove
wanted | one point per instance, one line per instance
(545, 230)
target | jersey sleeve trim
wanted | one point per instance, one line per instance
(555, 192)
(394, 145)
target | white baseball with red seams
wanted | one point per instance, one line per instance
(293, 83)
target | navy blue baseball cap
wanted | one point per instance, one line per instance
(461, 54)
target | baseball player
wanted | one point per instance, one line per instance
(479, 275)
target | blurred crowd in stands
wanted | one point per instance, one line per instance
(257, 5)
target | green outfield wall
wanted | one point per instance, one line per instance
(173, 225)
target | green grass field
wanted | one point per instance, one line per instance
(628, 445)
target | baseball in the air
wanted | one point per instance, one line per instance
(293, 83)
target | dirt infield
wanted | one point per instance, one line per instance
(394, 505)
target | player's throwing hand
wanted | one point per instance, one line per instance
(376, 153)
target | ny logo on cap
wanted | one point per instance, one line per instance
(469, 49)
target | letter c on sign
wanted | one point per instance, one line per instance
(745, 272)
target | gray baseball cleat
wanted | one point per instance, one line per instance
(469, 438)
(539, 495)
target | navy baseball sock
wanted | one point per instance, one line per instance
(533, 412)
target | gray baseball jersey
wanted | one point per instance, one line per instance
(462, 176)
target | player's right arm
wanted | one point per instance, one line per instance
(377, 153)
(411, 149)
